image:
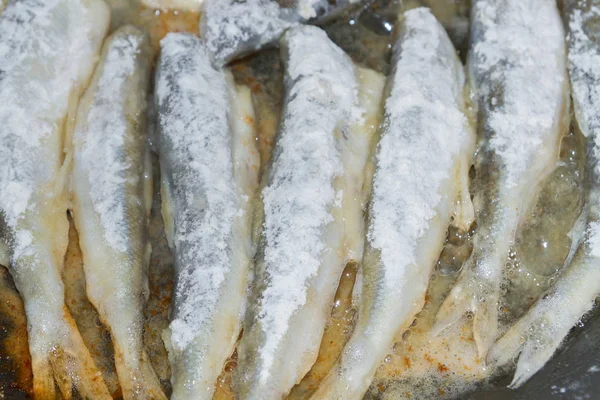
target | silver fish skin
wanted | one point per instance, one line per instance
(111, 193)
(413, 198)
(540, 332)
(48, 50)
(232, 29)
(517, 71)
(209, 165)
(312, 202)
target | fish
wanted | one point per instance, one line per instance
(517, 72)
(312, 201)
(233, 29)
(112, 194)
(184, 5)
(209, 167)
(413, 199)
(535, 337)
(48, 50)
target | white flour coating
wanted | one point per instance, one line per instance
(229, 26)
(322, 94)
(423, 116)
(584, 68)
(196, 152)
(103, 141)
(38, 68)
(522, 45)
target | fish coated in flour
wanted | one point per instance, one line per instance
(537, 335)
(233, 29)
(48, 50)
(111, 201)
(517, 71)
(413, 198)
(209, 166)
(312, 201)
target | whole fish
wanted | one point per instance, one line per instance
(233, 29)
(538, 334)
(209, 166)
(48, 50)
(112, 199)
(184, 5)
(517, 71)
(312, 201)
(413, 198)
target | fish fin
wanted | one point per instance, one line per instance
(138, 382)
(43, 379)
(4, 254)
(68, 364)
(458, 302)
(167, 212)
(531, 341)
(475, 295)
(485, 323)
(464, 213)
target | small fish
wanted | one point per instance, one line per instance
(112, 199)
(540, 332)
(413, 198)
(312, 201)
(209, 167)
(183, 5)
(232, 29)
(517, 71)
(48, 49)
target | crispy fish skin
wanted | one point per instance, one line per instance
(47, 53)
(540, 332)
(111, 201)
(413, 199)
(232, 29)
(306, 193)
(209, 167)
(517, 71)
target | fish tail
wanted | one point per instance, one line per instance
(138, 379)
(66, 364)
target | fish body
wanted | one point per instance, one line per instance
(413, 198)
(517, 71)
(233, 29)
(312, 202)
(48, 50)
(539, 333)
(209, 167)
(112, 199)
